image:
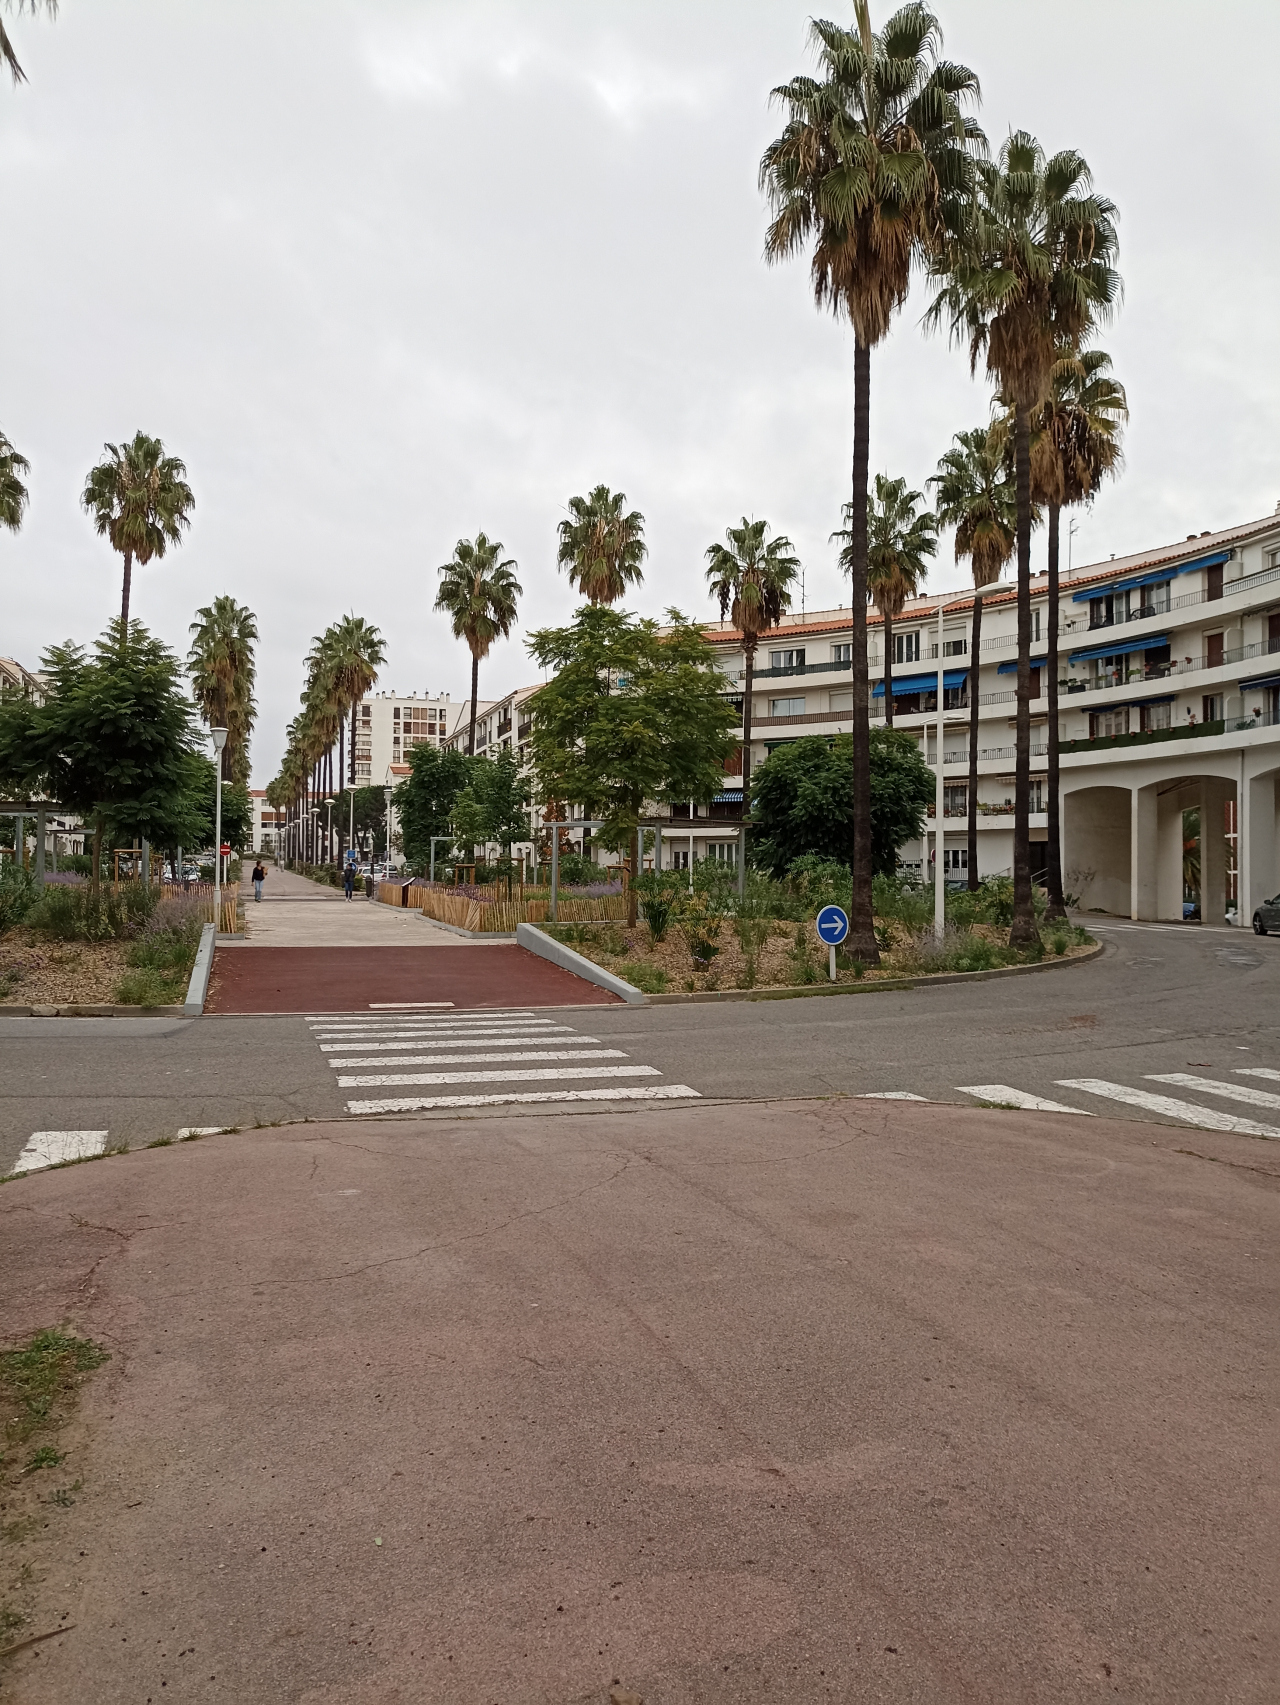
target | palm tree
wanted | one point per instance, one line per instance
(602, 547)
(1028, 269)
(752, 577)
(1075, 444)
(13, 493)
(868, 164)
(479, 592)
(222, 670)
(357, 652)
(7, 54)
(139, 498)
(977, 496)
(899, 538)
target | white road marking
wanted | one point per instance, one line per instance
(203, 1130)
(522, 1076)
(499, 1041)
(526, 1028)
(478, 1015)
(889, 1095)
(404, 1006)
(1210, 1086)
(49, 1148)
(1258, 1071)
(424, 1103)
(1018, 1098)
(1208, 1118)
(471, 1059)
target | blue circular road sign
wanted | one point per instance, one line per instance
(832, 925)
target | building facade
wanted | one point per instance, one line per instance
(390, 725)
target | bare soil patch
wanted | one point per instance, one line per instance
(35, 971)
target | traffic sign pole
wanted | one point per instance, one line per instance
(832, 969)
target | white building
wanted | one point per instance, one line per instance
(1169, 699)
(390, 725)
(499, 723)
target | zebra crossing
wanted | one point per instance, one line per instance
(440, 1055)
(1163, 1106)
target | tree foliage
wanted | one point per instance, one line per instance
(13, 491)
(602, 545)
(494, 804)
(479, 592)
(804, 800)
(424, 802)
(140, 500)
(222, 670)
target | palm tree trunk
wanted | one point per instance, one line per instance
(95, 874)
(749, 684)
(861, 940)
(633, 861)
(1023, 931)
(888, 669)
(975, 646)
(1057, 905)
(124, 601)
(475, 693)
(353, 744)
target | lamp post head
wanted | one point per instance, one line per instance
(219, 738)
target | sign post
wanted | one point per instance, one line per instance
(832, 926)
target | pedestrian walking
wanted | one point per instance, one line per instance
(349, 879)
(259, 877)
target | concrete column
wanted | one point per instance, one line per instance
(1214, 794)
(1257, 844)
(40, 822)
(1142, 852)
(1169, 855)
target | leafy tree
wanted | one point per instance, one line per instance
(353, 651)
(222, 670)
(13, 493)
(630, 715)
(752, 577)
(1029, 269)
(7, 53)
(479, 592)
(237, 808)
(805, 802)
(976, 494)
(424, 802)
(114, 741)
(494, 805)
(871, 160)
(370, 816)
(140, 500)
(899, 538)
(602, 547)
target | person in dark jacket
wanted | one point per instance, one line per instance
(349, 879)
(259, 877)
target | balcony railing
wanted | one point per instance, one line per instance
(1186, 600)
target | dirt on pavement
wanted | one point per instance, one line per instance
(723, 1403)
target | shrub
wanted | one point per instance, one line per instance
(658, 896)
(753, 913)
(70, 912)
(701, 916)
(903, 901)
(17, 893)
(650, 979)
(162, 955)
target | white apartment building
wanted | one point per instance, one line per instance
(390, 725)
(1169, 699)
(499, 723)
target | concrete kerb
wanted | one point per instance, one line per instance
(198, 987)
(534, 940)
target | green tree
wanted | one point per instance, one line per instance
(479, 593)
(222, 669)
(370, 817)
(630, 715)
(237, 808)
(7, 53)
(977, 495)
(424, 801)
(899, 537)
(1027, 271)
(140, 500)
(13, 492)
(355, 651)
(805, 802)
(872, 157)
(752, 577)
(602, 546)
(494, 805)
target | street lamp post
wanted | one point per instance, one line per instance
(219, 741)
(386, 794)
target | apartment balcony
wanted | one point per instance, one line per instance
(1232, 589)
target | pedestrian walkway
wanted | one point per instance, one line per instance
(497, 1048)
(296, 912)
(1164, 1107)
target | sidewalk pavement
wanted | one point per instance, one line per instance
(296, 912)
(730, 1403)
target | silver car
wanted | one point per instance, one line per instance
(1267, 916)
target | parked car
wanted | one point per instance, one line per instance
(1267, 916)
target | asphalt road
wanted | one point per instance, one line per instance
(1162, 999)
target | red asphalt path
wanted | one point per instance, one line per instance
(344, 979)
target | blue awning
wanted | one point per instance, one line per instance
(1152, 577)
(1260, 681)
(903, 684)
(1012, 668)
(1122, 649)
(731, 796)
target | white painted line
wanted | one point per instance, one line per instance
(424, 1103)
(203, 1130)
(512, 1028)
(889, 1095)
(1018, 1098)
(499, 1041)
(471, 1059)
(403, 1006)
(524, 1075)
(49, 1148)
(1258, 1071)
(477, 1015)
(1210, 1086)
(1208, 1118)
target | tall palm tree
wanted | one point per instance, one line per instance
(358, 651)
(752, 577)
(1028, 269)
(602, 546)
(222, 670)
(479, 593)
(871, 157)
(7, 54)
(1075, 444)
(13, 493)
(899, 537)
(977, 495)
(139, 498)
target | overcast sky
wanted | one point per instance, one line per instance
(387, 272)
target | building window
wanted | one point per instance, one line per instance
(1210, 705)
(955, 860)
(786, 660)
(1035, 626)
(953, 698)
(1153, 600)
(1111, 671)
(786, 707)
(906, 647)
(957, 647)
(1035, 795)
(680, 855)
(723, 852)
(955, 800)
(1106, 724)
(842, 653)
(1102, 611)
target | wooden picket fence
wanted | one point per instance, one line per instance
(499, 916)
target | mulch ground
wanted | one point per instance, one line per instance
(35, 971)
